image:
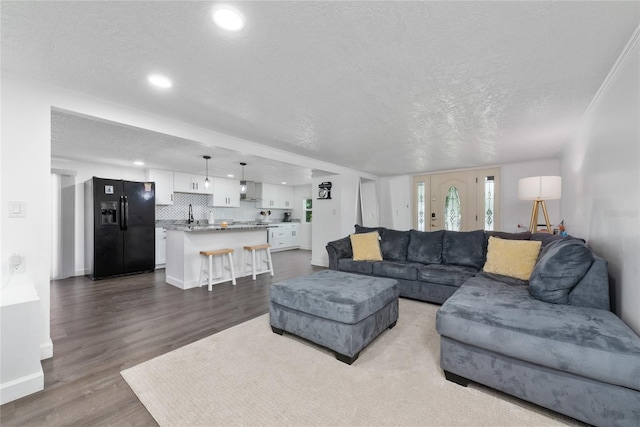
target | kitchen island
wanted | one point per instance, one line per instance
(184, 243)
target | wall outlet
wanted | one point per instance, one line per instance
(16, 263)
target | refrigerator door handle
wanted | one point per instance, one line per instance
(121, 213)
(126, 212)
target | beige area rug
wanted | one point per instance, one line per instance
(247, 375)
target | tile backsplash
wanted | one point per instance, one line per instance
(180, 210)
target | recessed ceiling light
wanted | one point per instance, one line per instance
(138, 163)
(228, 18)
(283, 182)
(230, 175)
(159, 81)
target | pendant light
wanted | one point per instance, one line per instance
(206, 180)
(243, 183)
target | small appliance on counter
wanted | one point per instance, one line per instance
(287, 217)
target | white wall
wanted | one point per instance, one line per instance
(326, 224)
(25, 172)
(26, 177)
(369, 203)
(601, 181)
(300, 193)
(85, 171)
(395, 202)
(333, 219)
(514, 211)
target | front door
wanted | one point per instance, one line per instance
(459, 201)
(453, 201)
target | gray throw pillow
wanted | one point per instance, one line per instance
(394, 244)
(559, 269)
(464, 248)
(425, 247)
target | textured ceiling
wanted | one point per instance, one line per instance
(120, 145)
(384, 87)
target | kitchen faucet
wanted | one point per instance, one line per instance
(190, 220)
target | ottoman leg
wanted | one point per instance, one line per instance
(347, 359)
(393, 324)
(276, 330)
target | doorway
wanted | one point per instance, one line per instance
(457, 201)
(63, 224)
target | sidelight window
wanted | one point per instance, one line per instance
(489, 197)
(420, 206)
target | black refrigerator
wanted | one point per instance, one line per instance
(119, 227)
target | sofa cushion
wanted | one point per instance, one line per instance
(547, 239)
(366, 246)
(506, 319)
(463, 248)
(526, 235)
(394, 244)
(559, 269)
(512, 258)
(397, 269)
(351, 266)
(329, 294)
(342, 247)
(360, 229)
(442, 274)
(425, 247)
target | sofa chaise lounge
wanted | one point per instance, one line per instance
(551, 340)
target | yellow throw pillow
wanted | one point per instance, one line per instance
(512, 258)
(366, 246)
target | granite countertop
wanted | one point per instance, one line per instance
(215, 227)
(203, 225)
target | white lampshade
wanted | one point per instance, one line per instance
(540, 188)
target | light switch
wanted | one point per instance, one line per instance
(16, 209)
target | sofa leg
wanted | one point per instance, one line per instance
(347, 359)
(456, 378)
(393, 324)
(276, 330)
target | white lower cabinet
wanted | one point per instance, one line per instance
(284, 236)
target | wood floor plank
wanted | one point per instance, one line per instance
(101, 328)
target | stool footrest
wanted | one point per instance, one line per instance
(207, 261)
(251, 249)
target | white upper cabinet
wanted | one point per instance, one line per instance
(226, 193)
(164, 185)
(274, 196)
(190, 183)
(286, 197)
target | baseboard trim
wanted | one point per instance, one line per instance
(46, 350)
(319, 263)
(21, 387)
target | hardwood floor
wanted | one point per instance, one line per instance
(101, 328)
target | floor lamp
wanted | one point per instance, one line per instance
(539, 189)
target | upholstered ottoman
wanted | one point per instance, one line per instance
(341, 311)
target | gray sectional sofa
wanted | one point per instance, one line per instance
(552, 340)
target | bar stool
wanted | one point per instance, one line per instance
(253, 248)
(209, 272)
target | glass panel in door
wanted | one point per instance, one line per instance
(452, 210)
(453, 201)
